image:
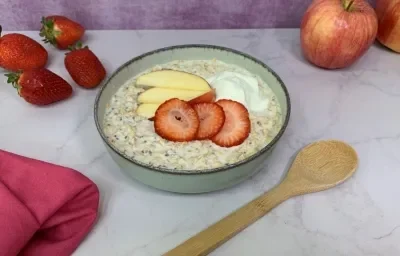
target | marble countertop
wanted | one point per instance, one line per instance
(359, 105)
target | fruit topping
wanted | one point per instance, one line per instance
(159, 95)
(173, 80)
(147, 110)
(207, 97)
(237, 124)
(176, 120)
(212, 118)
(151, 103)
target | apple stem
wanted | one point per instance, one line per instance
(349, 5)
(1, 30)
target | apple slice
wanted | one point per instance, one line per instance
(173, 80)
(207, 97)
(147, 110)
(159, 95)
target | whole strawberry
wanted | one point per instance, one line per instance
(84, 66)
(61, 31)
(40, 86)
(20, 52)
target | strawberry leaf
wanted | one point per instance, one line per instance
(77, 46)
(13, 78)
(47, 31)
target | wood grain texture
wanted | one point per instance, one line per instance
(318, 166)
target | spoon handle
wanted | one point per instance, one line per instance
(212, 237)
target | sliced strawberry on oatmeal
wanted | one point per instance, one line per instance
(237, 124)
(176, 120)
(212, 118)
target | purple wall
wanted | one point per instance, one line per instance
(156, 14)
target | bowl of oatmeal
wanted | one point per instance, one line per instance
(192, 118)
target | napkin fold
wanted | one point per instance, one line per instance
(45, 209)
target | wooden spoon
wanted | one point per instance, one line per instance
(318, 166)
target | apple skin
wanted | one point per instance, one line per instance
(388, 12)
(333, 37)
(207, 97)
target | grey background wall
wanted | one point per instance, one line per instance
(157, 14)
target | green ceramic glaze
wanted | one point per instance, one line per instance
(213, 179)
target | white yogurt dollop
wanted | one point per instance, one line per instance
(239, 87)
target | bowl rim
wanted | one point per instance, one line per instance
(203, 171)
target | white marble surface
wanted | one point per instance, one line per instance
(360, 105)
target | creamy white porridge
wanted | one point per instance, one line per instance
(134, 135)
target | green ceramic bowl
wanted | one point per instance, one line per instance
(174, 181)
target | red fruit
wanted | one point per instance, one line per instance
(40, 86)
(212, 118)
(84, 66)
(176, 120)
(206, 97)
(237, 124)
(19, 52)
(61, 31)
(337, 33)
(388, 13)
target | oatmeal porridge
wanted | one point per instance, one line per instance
(134, 135)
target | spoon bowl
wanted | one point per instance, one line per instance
(321, 165)
(318, 166)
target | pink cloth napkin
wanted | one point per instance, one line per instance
(45, 209)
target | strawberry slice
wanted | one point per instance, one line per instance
(176, 120)
(237, 124)
(212, 118)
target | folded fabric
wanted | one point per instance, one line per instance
(45, 209)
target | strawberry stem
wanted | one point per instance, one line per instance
(76, 46)
(347, 8)
(13, 78)
(47, 31)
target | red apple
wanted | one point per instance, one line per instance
(336, 33)
(388, 12)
